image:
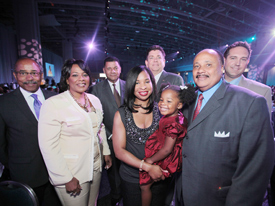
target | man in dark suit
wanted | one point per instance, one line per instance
(111, 94)
(228, 151)
(19, 150)
(155, 61)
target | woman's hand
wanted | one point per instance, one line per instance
(108, 161)
(73, 187)
(155, 172)
(149, 160)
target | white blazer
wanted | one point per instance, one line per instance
(66, 138)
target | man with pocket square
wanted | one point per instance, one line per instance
(228, 151)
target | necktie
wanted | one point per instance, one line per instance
(198, 107)
(36, 104)
(117, 97)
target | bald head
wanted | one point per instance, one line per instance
(26, 62)
(28, 74)
(207, 69)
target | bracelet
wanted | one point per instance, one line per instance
(141, 164)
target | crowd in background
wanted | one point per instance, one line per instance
(53, 86)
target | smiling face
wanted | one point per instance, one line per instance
(155, 61)
(235, 63)
(28, 75)
(78, 81)
(112, 71)
(143, 88)
(169, 103)
(207, 69)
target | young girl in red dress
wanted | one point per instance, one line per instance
(163, 147)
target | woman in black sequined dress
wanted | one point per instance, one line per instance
(134, 122)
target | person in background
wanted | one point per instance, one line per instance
(111, 95)
(72, 138)
(19, 114)
(228, 151)
(236, 59)
(155, 61)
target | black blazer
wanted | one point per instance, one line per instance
(103, 91)
(19, 150)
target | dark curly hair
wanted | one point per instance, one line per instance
(186, 93)
(66, 71)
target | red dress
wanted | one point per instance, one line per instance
(174, 127)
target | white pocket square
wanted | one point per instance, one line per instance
(221, 135)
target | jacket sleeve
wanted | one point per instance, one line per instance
(256, 158)
(3, 142)
(102, 132)
(268, 98)
(106, 150)
(49, 129)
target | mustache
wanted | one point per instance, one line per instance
(201, 75)
(30, 82)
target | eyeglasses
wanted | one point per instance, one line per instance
(23, 74)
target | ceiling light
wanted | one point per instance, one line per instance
(91, 45)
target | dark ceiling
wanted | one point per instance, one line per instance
(131, 26)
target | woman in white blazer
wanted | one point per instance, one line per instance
(72, 138)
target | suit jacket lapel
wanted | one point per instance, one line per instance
(212, 104)
(23, 106)
(242, 82)
(46, 94)
(122, 91)
(161, 79)
(109, 93)
(191, 111)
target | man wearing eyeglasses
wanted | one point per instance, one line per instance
(19, 114)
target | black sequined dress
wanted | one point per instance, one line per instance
(135, 141)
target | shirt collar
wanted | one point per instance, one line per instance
(116, 83)
(158, 76)
(27, 93)
(208, 93)
(235, 81)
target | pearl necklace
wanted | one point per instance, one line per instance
(85, 106)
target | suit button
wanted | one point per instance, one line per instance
(186, 137)
(184, 156)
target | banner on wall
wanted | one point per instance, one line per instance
(49, 69)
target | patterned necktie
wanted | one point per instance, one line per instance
(198, 107)
(36, 104)
(117, 97)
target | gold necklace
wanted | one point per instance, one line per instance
(85, 106)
